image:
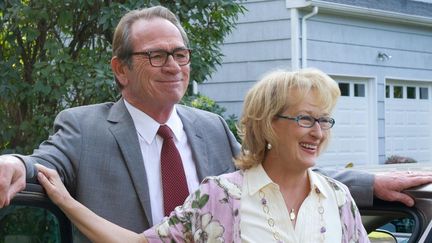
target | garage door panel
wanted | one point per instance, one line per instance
(349, 140)
(424, 143)
(408, 124)
(411, 144)
(348, 133)
(398, 144)
(343, 159)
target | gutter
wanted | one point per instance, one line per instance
(370, 13)
(295, 30)
(304, 36)
(341, 9)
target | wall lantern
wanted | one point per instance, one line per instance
(382, 56)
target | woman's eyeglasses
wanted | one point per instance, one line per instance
(309, 121)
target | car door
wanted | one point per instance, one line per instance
(405, 223)
(32, 217)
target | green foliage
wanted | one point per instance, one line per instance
(232, 121)
(55, 54)
(205, 103)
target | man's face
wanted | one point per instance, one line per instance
(149, 86)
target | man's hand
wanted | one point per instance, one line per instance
(12, 178)
(390, 186)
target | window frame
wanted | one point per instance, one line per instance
(34, 196)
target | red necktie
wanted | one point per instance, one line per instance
(174, 185)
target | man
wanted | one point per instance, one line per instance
(109, 154)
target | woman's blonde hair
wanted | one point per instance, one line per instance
(271, 96)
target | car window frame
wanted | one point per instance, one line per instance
(396, 207)
(33, 195)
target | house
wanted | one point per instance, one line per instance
(380, 53)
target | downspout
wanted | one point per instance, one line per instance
(295, 55)
(304, 36)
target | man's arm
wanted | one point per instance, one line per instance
(390, 186)
(56, 152)
(360, 184)
(387, 186)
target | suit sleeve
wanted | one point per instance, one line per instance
(359, 183)
(234, 144)
(61, 151)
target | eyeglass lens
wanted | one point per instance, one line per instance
(160, 57)
(309, 121)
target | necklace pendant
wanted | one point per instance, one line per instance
(323, 230)
(292, 215)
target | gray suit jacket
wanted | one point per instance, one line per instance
(96, 150)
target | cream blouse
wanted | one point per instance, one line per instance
(255, 228)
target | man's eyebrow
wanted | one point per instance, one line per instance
(161, 49)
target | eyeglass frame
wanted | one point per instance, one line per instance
(331, 120)
(168, 53)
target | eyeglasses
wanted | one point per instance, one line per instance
(309, 121)
(158, 58)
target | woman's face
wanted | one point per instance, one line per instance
(299, 146)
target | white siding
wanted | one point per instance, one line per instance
(338, 44)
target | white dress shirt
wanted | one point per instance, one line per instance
(254, 226)
(151, 146)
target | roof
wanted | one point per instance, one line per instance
(410, 7)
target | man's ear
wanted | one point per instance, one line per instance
(119, 69)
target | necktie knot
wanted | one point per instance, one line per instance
(165, 132)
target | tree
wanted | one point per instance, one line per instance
(55, 54)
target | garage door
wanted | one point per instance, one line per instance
(350, 135)
(408, 120)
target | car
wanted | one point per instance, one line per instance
(395, 220)
(32, 217)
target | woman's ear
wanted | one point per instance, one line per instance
(118, 67)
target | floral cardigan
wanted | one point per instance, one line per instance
(211, 214)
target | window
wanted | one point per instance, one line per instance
(359, 90)
(401, 222)
(424, 93)
(397, 92)
(411, 92)
(28, 224)
(344, 89)
(387, 91)
(32, 217)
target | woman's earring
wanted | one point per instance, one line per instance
(269, 146)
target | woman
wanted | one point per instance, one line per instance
(274, 197)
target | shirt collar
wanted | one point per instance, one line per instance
(147, 127)
(315, 183)
(257, 179)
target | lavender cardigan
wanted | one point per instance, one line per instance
(211, 214)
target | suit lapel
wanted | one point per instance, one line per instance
(194, 132)
(125, 133)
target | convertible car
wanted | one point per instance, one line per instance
(32, 217)
(394, 222)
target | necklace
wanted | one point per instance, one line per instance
(292, 216)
